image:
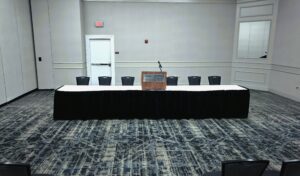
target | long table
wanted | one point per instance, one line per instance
(123, 102)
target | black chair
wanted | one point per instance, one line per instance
(104, 80)
(214, 80)
(82, 80)
(288, 168)
(127, 80)
(13, 169)
(241, 168)
(194, 80)
(172, 80)
(17, 169)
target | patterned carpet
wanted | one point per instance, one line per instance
(146, 147)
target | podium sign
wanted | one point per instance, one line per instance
(154, 80)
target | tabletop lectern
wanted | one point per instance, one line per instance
(154, 80)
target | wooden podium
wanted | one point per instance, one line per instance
(154, 80)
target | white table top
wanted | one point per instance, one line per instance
(75, 88)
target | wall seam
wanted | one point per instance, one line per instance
(33, 42)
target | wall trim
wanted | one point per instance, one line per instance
(285, 95)
(260, 66)
(69, 65)
(257, 15)
(248, 1)
(286, 69)
(172, 64)
(253, 86)
(149, 64)
(55, 68)
(68, 62)
(18, 97)
(170, 61)
(245, 80)
(169, 1)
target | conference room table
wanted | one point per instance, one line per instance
(72, 102)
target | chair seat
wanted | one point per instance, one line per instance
(213, 173)
(266, 173)
(271, 173)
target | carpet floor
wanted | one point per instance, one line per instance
(135, 147)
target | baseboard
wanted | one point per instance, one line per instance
(23, 95)
(45, 89)
(253, 87)
(285, 95)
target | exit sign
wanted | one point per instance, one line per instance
(99, 24)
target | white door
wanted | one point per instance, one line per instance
(41, 28)
(100, 58)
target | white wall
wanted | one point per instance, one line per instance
(285, 73)
(26, 44)
(66, 41)
(17, 60)
(64, 38)
(188, 38)
(2, 82)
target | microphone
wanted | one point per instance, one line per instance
(159, 66)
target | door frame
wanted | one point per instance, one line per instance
(112, 53)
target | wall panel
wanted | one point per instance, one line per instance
(67, 75)
(260, 10)
(2, 82)
(66, 41)
(65, 27)
(26, 44)
(285, 81)
(285, 74)
(17, 67)
(10, 49)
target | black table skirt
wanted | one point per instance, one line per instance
(150, 104)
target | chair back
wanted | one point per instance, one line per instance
(82, 80)
(290, 168)
(194, 80)
(244, 168)
(104, 80)
(214, 80)
(11, 169)
(127, 80)
(172, 80)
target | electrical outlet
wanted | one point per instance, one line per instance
(298, 86)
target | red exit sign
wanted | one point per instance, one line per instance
(99, 24)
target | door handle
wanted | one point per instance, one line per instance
(109, 64)
(40, 59)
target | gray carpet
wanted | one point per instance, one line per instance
(146, 147)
